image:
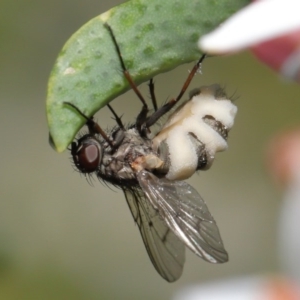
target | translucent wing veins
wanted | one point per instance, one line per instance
(164, 248)
(186, 214)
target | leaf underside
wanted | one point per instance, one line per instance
(154, 37)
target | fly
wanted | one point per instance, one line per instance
(150, 170)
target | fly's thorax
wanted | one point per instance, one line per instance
(195, 131)
(116, 166)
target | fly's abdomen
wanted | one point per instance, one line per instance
(196, 131)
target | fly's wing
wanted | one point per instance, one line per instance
(165, 250)
(186, 214)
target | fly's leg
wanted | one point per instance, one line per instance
(142, 122)
(119, 134)
(92, 125)
(116, 117)
(166, 107)
(142, 116)
(95, 128)
(152, 94)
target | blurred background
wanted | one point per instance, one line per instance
(61, 238)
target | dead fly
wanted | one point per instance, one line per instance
(169, 212)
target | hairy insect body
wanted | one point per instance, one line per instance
(195, 132)
(187, 142)
(116, 167)
(170, 214)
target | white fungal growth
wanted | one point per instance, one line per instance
(188, 123)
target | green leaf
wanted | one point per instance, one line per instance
(154, 37)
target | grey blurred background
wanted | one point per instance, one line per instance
(60, 238)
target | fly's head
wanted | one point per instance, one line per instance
(87, 153)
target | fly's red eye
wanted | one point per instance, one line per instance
(88, 158)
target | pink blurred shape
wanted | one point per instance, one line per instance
(271, 28)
